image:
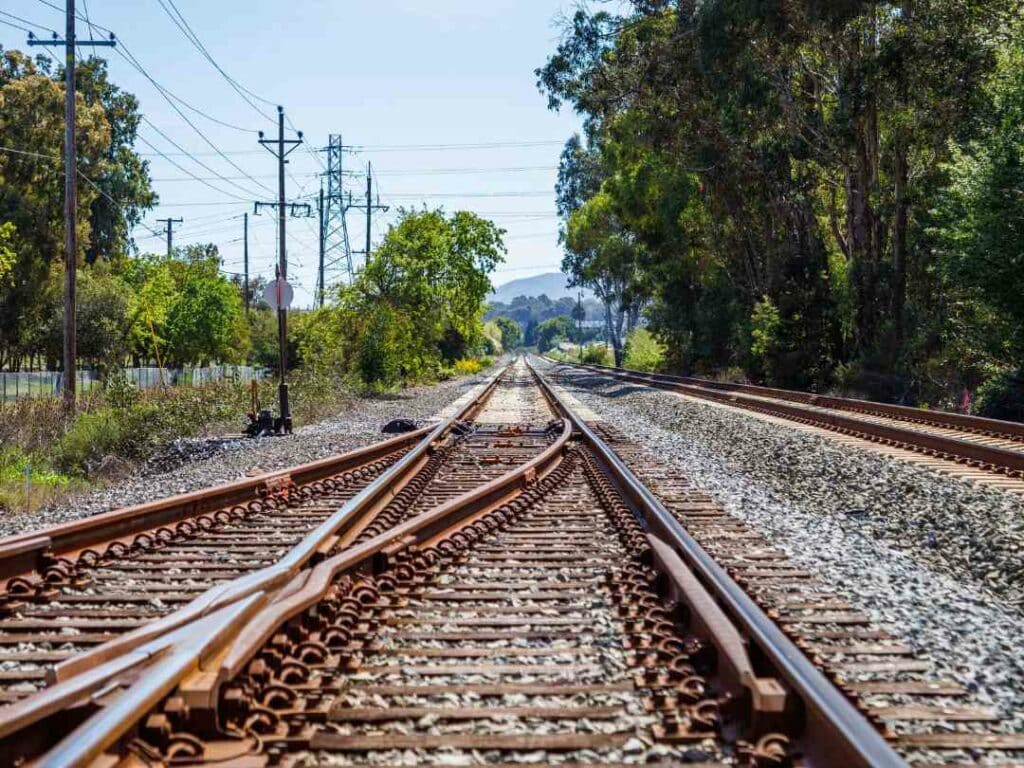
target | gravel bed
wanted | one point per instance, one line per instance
(190, 464)
(911, 547)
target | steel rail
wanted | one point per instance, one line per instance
(65, 690)
(978, 424)
(27, 553)
(835, 732)
(275, 603)
(997, 459)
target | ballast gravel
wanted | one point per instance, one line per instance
(190, 464)
(913, 548)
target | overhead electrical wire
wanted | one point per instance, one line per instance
(183, 25)
(202, 135)
(128, 56)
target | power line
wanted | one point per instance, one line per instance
(181, 168)
(203, 136)
(190, 35)
(445, 147)
(166, 93)
(25, 21)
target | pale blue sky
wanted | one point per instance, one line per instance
(386, 75)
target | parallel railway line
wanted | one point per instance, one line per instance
(988, 446)
(537, 590)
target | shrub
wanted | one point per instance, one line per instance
(1002, 397)
(467, 367)
(598, 354)
(643, 352)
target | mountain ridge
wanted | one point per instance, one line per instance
(554, 285)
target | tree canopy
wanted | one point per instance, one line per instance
(816, 192)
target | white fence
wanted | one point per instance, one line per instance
(21, 384)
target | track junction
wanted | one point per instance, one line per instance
(514, 585)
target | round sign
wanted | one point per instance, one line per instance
(278, 294)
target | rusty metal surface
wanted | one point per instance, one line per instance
(554, 610)
(1009, 430)
(965, 439)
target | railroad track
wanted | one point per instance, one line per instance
(987, 445)
(73, 588)
(538, 603)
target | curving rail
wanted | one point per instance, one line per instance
(557, 605)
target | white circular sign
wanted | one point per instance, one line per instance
(278, 294)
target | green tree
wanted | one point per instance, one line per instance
(32, 185)
(552, 331)
(511, 332)
(419, 302)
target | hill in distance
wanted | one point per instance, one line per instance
(551, 284)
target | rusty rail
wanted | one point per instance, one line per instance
(197, 659)
(281, 598)
(29, 552)
(65, 689)
(835, 732)
(978, 424)
(801, 407)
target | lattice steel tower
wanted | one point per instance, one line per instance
(337, 249)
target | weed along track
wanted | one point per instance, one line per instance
(523, 597)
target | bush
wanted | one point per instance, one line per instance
(598, 354)
(467, 367)
(15, 493)
(1002, 397)
(643, 352)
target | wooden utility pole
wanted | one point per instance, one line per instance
(245, 259)
(282, 268)
(170, 233)
(321, 288)
(70, 193)
(368, 207)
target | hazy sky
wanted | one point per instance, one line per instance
(387, 75)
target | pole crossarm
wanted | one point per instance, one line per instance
(296, 210)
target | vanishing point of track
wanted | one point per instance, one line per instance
(503, 590)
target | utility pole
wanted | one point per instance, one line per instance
(170, 233)
(70, 193)
(320, 280)
(245, 259)
(282, 313)
(579, 322)
(368, 207)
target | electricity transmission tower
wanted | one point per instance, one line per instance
(335, 246)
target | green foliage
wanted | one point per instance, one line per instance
(598, 354)
(551, 332)
(1002, 397)
(7, 255)
(511, 332)
(417, 306)
(492, 339)
(32, 187)
(467, 367)
(802, 189)
(25, 482)
(185, 312)
(765, 330)
(643, 352)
